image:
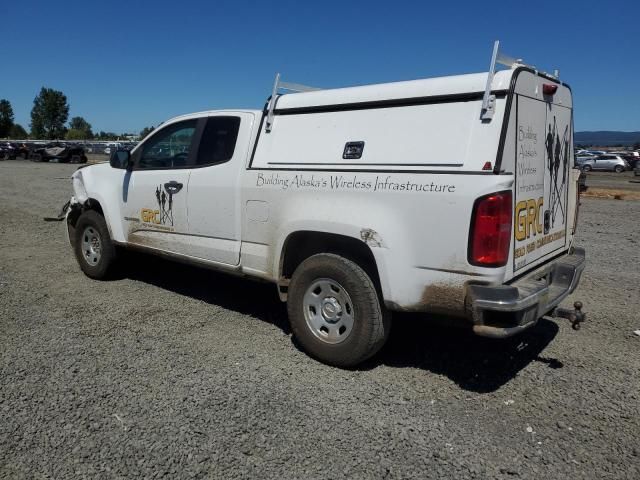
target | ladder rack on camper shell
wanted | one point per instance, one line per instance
(278, 85)
(488, 100)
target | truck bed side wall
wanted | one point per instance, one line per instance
(409, 197)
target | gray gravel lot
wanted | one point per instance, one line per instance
(174, 371)
(625, 180)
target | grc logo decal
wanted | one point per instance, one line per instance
(531, 221)
(163, 215)
(160, 217)
(528, 219)
(150, 216)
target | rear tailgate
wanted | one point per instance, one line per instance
(543, 206)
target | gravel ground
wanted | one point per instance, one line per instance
(624, 180)
(180, 372)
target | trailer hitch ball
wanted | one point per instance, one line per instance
(575, 316)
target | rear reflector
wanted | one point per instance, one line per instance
(490, 234)
(549, 88)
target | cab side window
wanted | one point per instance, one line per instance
(218, 140)
(169, 147)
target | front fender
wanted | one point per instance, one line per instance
(102, 186)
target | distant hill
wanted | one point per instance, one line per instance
(606, 138)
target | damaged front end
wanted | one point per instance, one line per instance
(72, 209)
(70, 212)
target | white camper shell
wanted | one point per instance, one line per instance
(452, 195)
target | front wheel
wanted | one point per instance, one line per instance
(93, 247)
(586, 168)
(335, 311)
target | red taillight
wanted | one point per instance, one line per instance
(490, 234)
(549, 88)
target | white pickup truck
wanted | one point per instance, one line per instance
(453, 195)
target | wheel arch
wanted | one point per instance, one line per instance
(302, 244)
(92, 204)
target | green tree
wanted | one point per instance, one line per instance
(146, 131)
(75, 134)
(80, 124)
(18, 132)
(49, 114)
(6, 118)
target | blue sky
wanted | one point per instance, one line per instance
(126, 65)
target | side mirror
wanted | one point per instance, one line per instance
(121, 159)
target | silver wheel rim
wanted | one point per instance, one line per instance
(91, 246)
(328, 310)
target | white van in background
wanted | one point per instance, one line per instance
(112, 147)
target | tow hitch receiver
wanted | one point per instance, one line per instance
(576, 316)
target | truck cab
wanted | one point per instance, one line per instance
(178, 191)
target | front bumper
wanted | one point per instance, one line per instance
(505, 310)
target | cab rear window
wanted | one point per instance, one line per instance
(218, 140)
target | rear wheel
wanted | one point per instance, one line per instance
(93, 247)
(586, 168)
(335, 311)
(619, 169)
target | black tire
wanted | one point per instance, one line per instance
(91, 225)
(618, 169)
(371, 321)
(586, 168)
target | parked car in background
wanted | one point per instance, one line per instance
(59, 152)
(610, 163)
(112, 147)
(632, 160)
(582, 159)
(9, 150)
(625, 152)
(590, 152)
(3, 151)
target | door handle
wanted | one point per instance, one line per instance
(173, 187)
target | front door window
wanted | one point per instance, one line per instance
(169, 148)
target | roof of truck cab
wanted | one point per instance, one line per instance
(208, 113)
(429, 87)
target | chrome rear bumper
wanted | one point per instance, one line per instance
(505, 310)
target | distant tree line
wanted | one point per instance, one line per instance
(583, 146)
(49, 117)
